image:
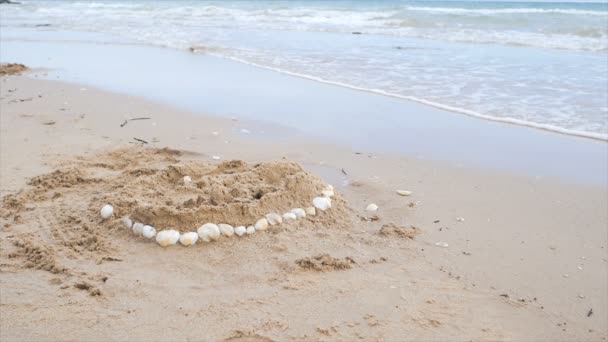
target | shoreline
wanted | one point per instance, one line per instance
(602, 137)
(106, 39)
(311, 108)
(506, 120)
(517, 240)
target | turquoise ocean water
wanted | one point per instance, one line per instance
(540, 64)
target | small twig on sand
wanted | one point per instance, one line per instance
(142, 141)
(127, 121)
(344, 172)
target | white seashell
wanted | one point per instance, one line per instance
(106, 211)
(274, 218)
(187, 179)
(371, 207)
(209, 232)
(128, 222)
(188, 239)
(299, 212)
(289, 216)
(327, 193)
(311, 211)
(250, 230)
(240, 230)
(137, 228)
(167, 237)
(442, 244)
(322, 203)
(460, 219)
(215, 157)
(262, 224)
(404, 192)
(226, 229)
(148, 231)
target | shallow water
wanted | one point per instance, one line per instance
(540, 64)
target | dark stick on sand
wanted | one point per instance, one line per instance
(142, 141)
(127, 121)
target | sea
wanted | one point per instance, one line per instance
(539, 64)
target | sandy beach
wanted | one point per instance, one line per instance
(472, 254)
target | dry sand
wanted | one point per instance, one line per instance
(527, 263)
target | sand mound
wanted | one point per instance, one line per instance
(325, 262)
(232, 192)
(393, 230)
(12, 69)
(148, 185)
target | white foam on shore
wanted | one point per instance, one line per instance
(509, 120)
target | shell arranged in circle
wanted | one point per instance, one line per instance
(274, 219)
(321, 203)
(226, 229)
(167, 237)
(209, 232)
(107, 211)
(261, 224)
(240, 230)
(289, 216)
(138, 228)
(299, 212)
(148, 231)
(188, 239)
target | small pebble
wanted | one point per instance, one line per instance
(215, 157)
(442, 244)
(371, 207)
(250, 230)
(460, 219)
(404, 192)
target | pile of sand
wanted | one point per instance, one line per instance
(12, 69)
(325, 262)
(393, 230)
(148, 185)
(55, 219)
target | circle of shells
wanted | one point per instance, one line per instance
(209, 232)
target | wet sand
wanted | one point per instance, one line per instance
(527, 262)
